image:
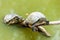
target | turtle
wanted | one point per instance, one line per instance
(12, 19)
(31, 21)
(35, 21)
(35, 17)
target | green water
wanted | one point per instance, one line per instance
(51, 8)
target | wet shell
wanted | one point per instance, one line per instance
(9, 17)
(34, 16)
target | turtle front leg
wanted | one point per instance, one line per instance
(33, 27)
(44, 31)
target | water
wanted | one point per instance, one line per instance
(51, 8)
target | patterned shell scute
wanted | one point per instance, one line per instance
(34, 16)
(9, 17)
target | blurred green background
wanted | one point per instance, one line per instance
(51, 8)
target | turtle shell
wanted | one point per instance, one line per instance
(9, 17)
(34, 16)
